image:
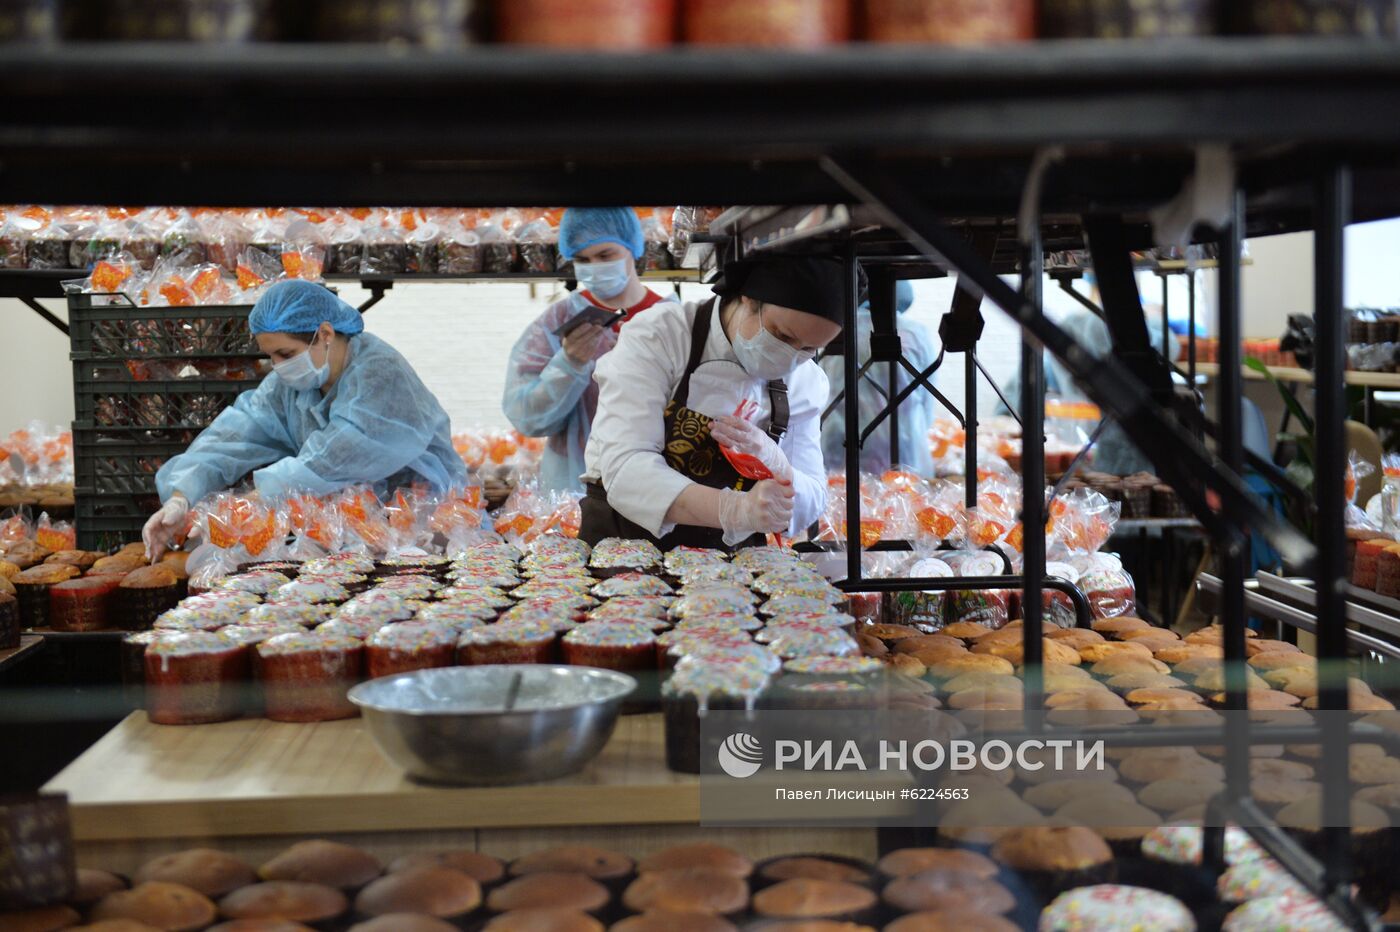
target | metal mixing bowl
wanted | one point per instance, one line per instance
(450, 725)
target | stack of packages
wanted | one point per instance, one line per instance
(949, 540)
(36, 471)
(503, 460)
(124, 248)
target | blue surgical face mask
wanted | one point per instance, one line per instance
(604, 280)
(301, 374)
(764, 356)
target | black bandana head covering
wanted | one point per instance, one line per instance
(811, 284)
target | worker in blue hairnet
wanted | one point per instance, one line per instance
(550, 390)
(340, 408)
(915, 414)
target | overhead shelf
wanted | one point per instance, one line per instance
(384, 125)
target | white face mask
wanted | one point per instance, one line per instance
(764, 356)
(604, 280)
(301, 374)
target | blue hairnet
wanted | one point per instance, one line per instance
(301, 307)
(583, 227)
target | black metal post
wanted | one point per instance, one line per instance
(1033, 470)
(853, 569)
(1333, 213)
(1166, 316)
(970, 428)
(1191, 325)
(1233, 550)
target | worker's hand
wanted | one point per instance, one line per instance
(742, 437)
(584, 344)
(164, 525)
(764, 509)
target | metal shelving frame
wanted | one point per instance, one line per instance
(936, 144)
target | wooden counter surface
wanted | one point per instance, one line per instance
(256, 777)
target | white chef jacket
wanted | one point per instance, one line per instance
(636, 381)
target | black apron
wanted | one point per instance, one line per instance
(690, 451)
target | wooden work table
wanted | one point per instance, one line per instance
(252, 786)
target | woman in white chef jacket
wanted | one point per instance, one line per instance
(667, 396)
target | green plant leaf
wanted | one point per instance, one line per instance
(1295, 407)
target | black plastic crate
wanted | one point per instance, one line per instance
(112, 326)
(146, 381)
(105, 522)
(123, 462)
(180, 405)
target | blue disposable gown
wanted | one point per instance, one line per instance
(916, 414)
(379, 425)
(547, 395)
(1114, 452)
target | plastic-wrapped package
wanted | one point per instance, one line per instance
(142, 241)
(1106, 584)
(104, 240)
(268, 233)
(923, 610)
(13, 236)
(459, 251)
(385, 252)
(538, 246)
(346, 247)
(226, 237)
(499, 252)
(55, 535)
(48, 248)
(255, 271)
(422, 246)
(991, 607)
(184, 240)
(657, 242)
(685, 223)
(303, 251)
(231, 520)
(82, 224)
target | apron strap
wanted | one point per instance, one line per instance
(778, 396)
(699, 336)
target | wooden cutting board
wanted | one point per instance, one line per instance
(256, 777)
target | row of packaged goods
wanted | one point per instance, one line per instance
(761, 630)
(650, 24)
(260, 244)
(36, 471)
(1056, 879)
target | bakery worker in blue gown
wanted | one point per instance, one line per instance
(550, 391)
(916, 414)
(340, 408)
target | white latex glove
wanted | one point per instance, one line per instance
(764, 509)
(742, 437)
(164, 525)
